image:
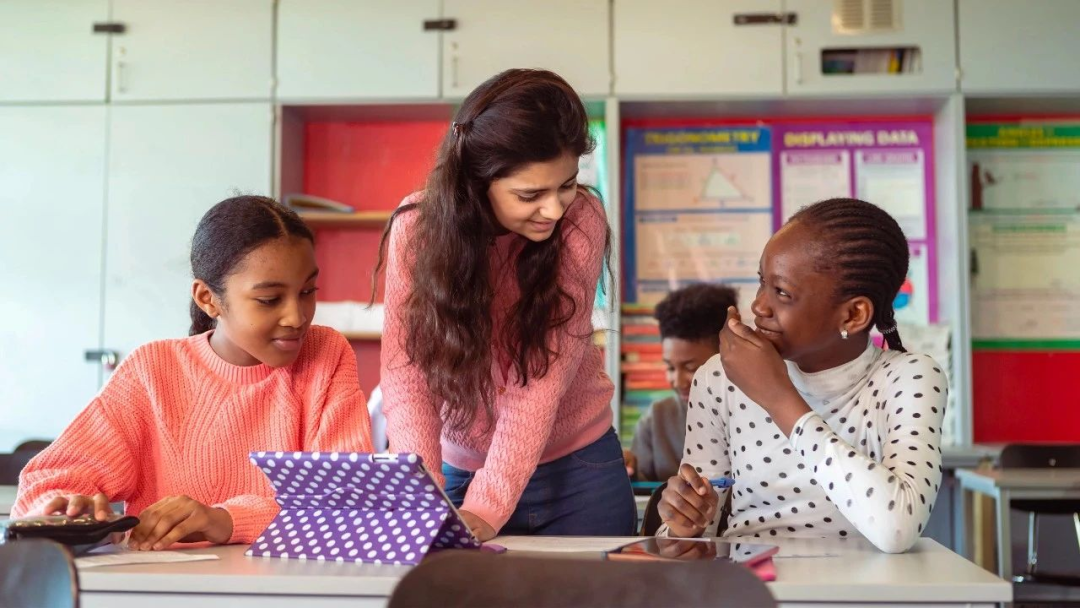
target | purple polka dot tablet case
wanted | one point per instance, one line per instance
(364, 508)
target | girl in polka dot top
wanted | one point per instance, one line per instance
(824, 433)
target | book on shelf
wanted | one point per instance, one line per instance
(306, 203)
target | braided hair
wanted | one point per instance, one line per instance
(867, 252)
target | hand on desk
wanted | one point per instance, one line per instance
(631, 463)
(480, 528)
(180, 519)
(688, 503)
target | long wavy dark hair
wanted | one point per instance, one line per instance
(516, 118)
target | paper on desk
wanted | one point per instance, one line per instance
(122, 557)
(561, 544)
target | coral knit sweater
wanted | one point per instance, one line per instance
(177, 419)
(566, 410)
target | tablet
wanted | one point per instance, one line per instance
(693, 549)
(376, 508)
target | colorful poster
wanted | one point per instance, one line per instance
(1024, 167)
(698, 207)
(886, 163)
(1024, 229)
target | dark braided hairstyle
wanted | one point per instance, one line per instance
(867, 252)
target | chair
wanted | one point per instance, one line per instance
(33, 445)
(39, 574)
(12, 464)
(651, 522)
(1043, 456)
(459, 579)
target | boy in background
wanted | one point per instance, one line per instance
(690, 322)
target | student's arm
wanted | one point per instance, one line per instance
(412, 418)
(642, 447)
(706, 442)
(337, 421)
(889, 503)
(96, 453)
(527, 414)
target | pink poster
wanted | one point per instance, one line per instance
(889, 164)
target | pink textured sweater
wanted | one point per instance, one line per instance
(567, 409)
(177, 419)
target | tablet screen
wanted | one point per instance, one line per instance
(693, 549)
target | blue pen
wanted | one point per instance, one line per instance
(722, 482)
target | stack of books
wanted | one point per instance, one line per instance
(644, 378)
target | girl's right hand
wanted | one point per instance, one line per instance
(74, 505)
(688, 503)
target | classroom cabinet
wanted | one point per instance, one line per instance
(192, 50)
(50, 52)
(167, 165)
(53, 198)
(698, 47)
(569, 37)
(1018, 47)
(823, 29)
(357, 49)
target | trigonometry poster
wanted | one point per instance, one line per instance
(698, 208)
(886, 163)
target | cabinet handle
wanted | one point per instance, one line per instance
(121, 76)
(106, 358)
(765, 18)
(454, 71)
(797, 67)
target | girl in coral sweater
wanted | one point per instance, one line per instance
(487, 360)
(169, 434)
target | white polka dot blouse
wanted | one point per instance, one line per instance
(866, 461)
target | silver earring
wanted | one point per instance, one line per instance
(843, 334)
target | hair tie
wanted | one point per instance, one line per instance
(891, 330)
(459, 127)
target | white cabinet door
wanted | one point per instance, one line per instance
(569, 37)
(928, 25)
(1024, 47)
(53, 198)
(49, 51)
(356, 49)
(694, 47)
(193, 50)
(168, 164)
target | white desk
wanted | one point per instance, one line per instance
(1018, 484)
(844, 571)
(7, 500)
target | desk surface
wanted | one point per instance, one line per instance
(7, 499)
(807, 571)
(1020, 479)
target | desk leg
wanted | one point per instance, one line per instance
(1004, 530)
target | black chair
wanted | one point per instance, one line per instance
(12, 464)
(1043, 456)
(37, 574)
(651, 522)
(33, 445)
(460, 579)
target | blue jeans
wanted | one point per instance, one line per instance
(586, 493)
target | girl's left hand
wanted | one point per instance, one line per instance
(180, 519)
(480, 528)
(752, 363)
